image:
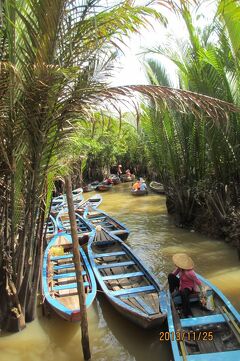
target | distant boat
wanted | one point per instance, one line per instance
(93, 201)
(157, 187)
(127, 178)
(115, 179)
(124, 280)
(208, 335)
(110, 224)
(63, 223)
(59, 278)
(139, 192)
(101, 187)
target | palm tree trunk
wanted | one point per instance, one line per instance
(78, 268)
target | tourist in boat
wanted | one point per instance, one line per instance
(143, 186)
(128, 173)
(186, 283)
(119, 170)
(136, 185)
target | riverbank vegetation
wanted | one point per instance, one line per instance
(198, 161)
(55, 63)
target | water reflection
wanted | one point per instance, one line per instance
(155, 239)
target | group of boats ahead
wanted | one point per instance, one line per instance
(132, 290)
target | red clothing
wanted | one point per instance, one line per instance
(188, 279)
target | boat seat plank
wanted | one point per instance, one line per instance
(63, 266)
(117, 264)
(65, 256)
(67, 275)
(122, 253)
(129, 291)
(204, 320)
(216, 356)
(68, 286)
(123, 275)
(146, 307)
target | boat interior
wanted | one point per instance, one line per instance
(62, 276)
(123, 276)
(208, 331)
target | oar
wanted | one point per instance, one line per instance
(232, 325)
(180, 330)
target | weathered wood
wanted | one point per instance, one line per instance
(78, 268)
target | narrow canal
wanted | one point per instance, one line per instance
(154, 238)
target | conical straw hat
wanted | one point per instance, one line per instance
(182, 260)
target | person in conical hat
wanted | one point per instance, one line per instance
(186, 283)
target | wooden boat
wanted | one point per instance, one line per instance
(126, 283)
(126, 178)
(139, 192)
(51, 227)
(60, 202)
(93, 202)
(110, 224)
(59, 278)
(101, 187)
(157, 187)
(63, 223)
(115, 179)
(208, 335)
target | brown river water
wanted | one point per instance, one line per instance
(154, 238)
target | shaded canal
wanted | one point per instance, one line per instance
(154, 239)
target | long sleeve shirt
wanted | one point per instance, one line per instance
(188, 279)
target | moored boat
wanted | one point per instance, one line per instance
(110, 224)
(127, 284)
(93, 201)
(157, 187)
(59, 278)
(211, 334)
(63, 223)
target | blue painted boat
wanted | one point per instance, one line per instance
(93, 202)
(208, 335)
(59, 278)
(127, 284)
(110, 224)
(51, 227)
(63, 223)
(59, 203)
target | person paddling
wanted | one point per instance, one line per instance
(186, 283)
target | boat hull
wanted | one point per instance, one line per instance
(157, 187)
(139, 193)
(132, 291)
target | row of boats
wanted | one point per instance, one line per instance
(130, 287)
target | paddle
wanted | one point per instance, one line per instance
(230, 321)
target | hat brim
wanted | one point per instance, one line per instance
(182, 260)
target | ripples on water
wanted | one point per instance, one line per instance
(154, 238)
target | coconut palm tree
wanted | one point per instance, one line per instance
(55, 56)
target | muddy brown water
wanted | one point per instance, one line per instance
(154, 238)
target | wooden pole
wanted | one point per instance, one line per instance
(78, 269)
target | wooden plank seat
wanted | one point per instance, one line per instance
(67, 275)
(97, 217)
(128, 291)
(65, 256)
(123, 275)
(69, 286)
(148, 309)
(117, 264)
(204, 320)
(121, 253)
(63, 266)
